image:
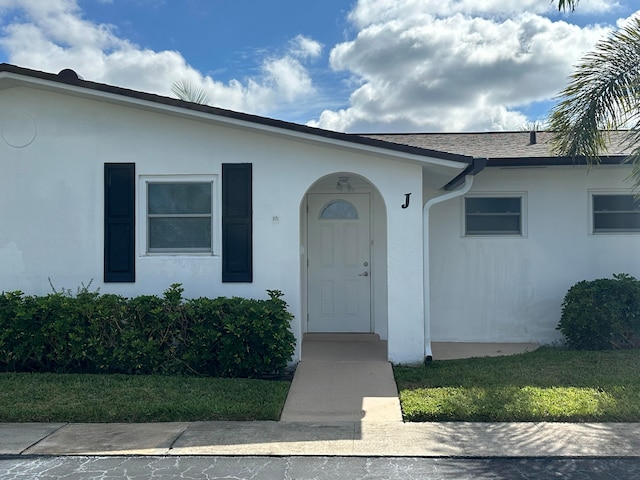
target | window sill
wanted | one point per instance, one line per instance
(178, 254)
(494, 235)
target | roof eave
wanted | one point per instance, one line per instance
(551, 161)
(478, 165)
(14, 75)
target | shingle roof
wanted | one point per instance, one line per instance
(501, 148)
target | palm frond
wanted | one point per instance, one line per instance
(567, 4)
(603, 94)
(190, 92)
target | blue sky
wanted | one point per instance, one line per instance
(218, 36)
(357, 66)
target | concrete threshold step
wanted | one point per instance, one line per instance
(343, 350)
(341, 337)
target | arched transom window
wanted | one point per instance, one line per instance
(339, 210)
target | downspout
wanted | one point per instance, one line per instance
(476, 167)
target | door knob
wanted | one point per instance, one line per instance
(365, 274)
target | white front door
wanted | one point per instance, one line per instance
(339, 263)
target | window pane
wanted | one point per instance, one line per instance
(338, 210)
(180, 233)
(615, 203)
(492, 205)
(616, 213)
(616, 222)
(493, 215)
(179, 198)
(487, 225)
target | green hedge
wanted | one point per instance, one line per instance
(602, 314)
(90, 332)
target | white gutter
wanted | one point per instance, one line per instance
(426, 293)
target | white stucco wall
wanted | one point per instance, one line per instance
(406, 307)
(52, 205)
(482, 289)
(511, 289)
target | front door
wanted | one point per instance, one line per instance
(339, 263)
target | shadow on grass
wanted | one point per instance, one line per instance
(522, 404)
(546, 385)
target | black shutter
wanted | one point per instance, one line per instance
(119, 222)
(237, 231)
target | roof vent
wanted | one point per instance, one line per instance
(69, 75)
(532, 137)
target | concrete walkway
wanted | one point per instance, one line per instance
(343, 378)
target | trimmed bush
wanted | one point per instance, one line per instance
(90, 333)
(602, 314)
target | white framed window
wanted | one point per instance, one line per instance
(494, 215)
(614, 212)
(179, 213)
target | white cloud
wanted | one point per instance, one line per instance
(305, 47)
(434, 65)
(38, 7)
(369, 12)
(288, 77)
(52, 35)
(413, 65)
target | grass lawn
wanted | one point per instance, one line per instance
(28, 397)
(549, 384)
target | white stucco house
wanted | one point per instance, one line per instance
(415, 237)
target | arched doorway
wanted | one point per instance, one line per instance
(344, 261)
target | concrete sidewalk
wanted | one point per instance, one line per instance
(337, 439)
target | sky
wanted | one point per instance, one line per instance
(357, 66)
